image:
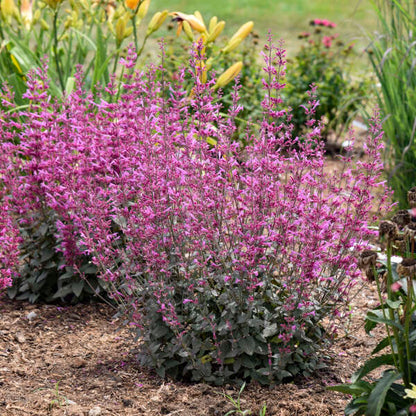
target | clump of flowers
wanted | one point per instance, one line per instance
(230, 263)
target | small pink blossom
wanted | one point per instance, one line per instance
(396, 286)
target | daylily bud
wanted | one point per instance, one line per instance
(239, 36)
(198, 15)
(8, 9)
(229, 75)
(219, 27)
(231, 45)
(212, 23)
(132, 4)
(26, 13)
(121, 27)
(52, 3)
(156, 21)
(188, 30)
(143, 8)
(44, 24)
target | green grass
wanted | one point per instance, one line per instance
(285, 18)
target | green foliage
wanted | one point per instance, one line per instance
(393, 394)
(324, 60)
(88, 33)
(43, 276)
(237, 405)
(247, 326)
(392, 55)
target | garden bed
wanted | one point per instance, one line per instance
(69, 360)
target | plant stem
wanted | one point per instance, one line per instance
(55, 49)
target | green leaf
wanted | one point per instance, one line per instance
(270, 330)
(378, 395)
(374, 318)
(381, 345)
(248, 345)
(393, 304)
(77, 287)
(370, 365)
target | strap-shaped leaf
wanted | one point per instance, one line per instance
(370, 365)
(378, 395)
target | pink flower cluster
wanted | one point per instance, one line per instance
(135, 184)
(323, 22)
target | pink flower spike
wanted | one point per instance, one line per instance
(396, 286)
(412, 408)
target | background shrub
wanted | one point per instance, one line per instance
(326, 61)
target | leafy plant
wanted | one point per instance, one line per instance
(206, 245)
(55, 29)
(237, 405)
(394, 393)
(325, 60)
(392, 55)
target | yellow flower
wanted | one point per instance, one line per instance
(193, 21)
(410, 394)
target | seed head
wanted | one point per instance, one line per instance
(388, 229)
(402, 218)
(407, 268)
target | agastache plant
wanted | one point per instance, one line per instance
(227, 261)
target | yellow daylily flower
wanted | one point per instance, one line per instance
(410, 393)
(194, 22)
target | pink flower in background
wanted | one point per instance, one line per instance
(396, 286)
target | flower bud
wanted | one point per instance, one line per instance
(228, 75)
(219, 27)
(121, 27)
(156, 21)
(188, 30)
(26, 12)
(388, 229)
(212, 23)
(402, 218)
(53, 4)
(411, 197)
(239, 36)
(407, 268)
(367, 263)
(8, 9)
(143, 8)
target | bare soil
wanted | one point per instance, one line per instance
(72, 361)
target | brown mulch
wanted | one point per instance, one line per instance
(72, 361)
